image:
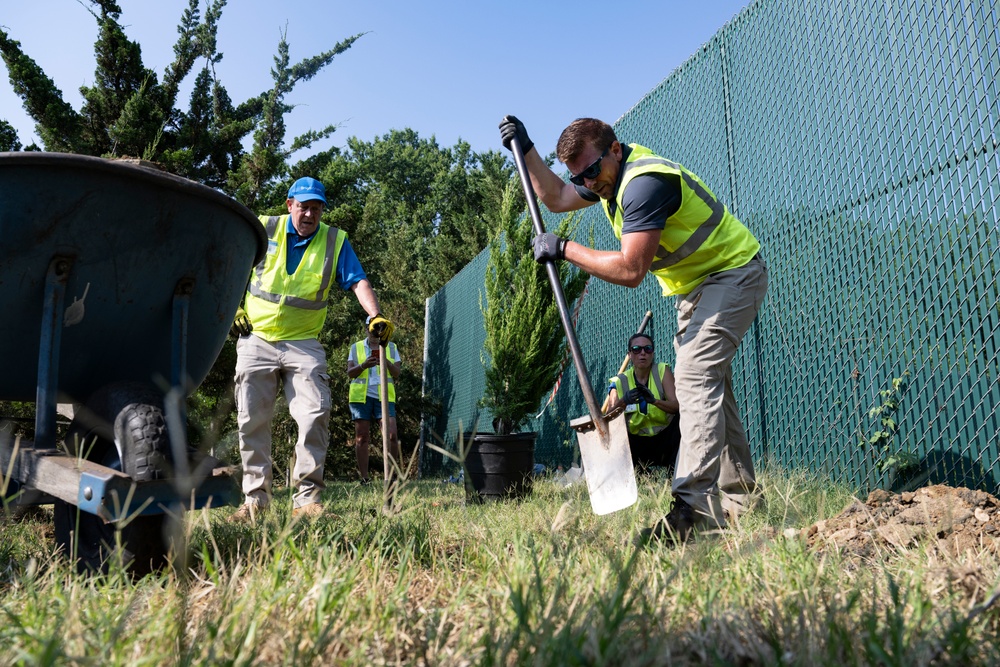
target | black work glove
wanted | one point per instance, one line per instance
(633, 395)
(646, 394)
(241, 324)
(381, 327)
(511, 127)
(548, 247)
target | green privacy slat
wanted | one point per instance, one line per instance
(858, 140)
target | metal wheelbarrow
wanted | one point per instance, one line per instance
(118, 286)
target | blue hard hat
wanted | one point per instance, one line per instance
(307, 189)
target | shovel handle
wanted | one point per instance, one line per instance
(383, 395)
(553, 272)
(642, 329)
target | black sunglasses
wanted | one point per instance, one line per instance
(636, 349)
(591, 172)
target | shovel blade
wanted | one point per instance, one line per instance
(607, 465)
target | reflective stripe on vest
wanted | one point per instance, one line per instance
(285, 306)
(655, 419)
(685, 256)
(358, 391)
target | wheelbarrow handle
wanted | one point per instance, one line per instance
(553, 271)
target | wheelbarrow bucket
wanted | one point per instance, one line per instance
(133, 241)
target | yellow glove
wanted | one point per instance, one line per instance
(381, 327)
(241, 324)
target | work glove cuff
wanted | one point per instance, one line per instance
(549, 247)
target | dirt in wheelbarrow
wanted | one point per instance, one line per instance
(949, 522)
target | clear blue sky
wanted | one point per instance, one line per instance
(447, 68)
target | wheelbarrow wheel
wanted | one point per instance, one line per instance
(128, 418)
(132, 416)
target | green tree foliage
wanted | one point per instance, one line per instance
(8, 137)
(268, 157)
(525, 343)
(415, 212)
(58, 125)
(123, 111)
(128, 111)
(420, 204)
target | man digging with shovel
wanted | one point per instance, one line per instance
(671, 225)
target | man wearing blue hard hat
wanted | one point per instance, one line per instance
(278, 328)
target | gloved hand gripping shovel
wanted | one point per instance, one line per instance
(603, 441)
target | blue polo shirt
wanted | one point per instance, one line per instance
(349, 271)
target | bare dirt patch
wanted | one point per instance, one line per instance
(950, 521)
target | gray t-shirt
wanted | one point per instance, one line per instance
(648, 200)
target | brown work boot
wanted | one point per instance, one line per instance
(675, 528)
(247, 513)
(310, 511)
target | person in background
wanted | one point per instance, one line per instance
(365, 399)
(646, 392)
(278, 327)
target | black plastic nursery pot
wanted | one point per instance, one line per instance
(499, 467)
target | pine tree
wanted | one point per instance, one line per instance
(128, 111)
(8, 137)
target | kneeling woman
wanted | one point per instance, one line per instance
(647, 391)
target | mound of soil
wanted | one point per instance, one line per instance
(952, 521)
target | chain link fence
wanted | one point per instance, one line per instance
(858, 141)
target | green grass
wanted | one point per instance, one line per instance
(540, 582)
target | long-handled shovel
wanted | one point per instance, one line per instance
(603, 442)
(390, 467)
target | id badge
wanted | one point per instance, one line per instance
(632, 407)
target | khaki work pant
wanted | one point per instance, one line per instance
(714, 470)
(301, 366)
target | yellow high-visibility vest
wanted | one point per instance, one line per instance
(703, 237)
(655, 419)
(358, 391)
(283, 306)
